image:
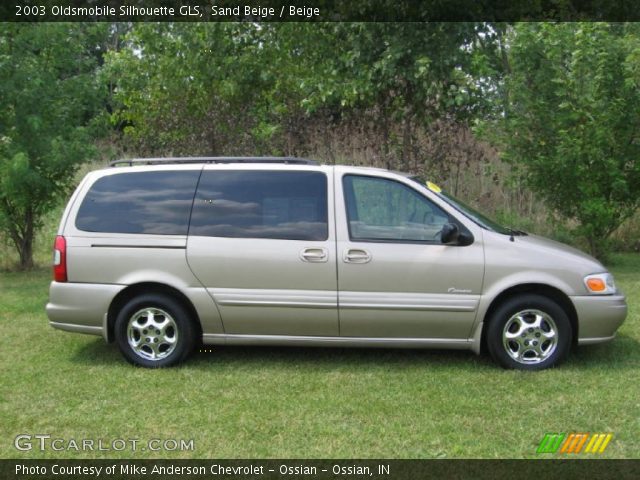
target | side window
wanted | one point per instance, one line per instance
(265, 204)
(156, 202)
(379, 209)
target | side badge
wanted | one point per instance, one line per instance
(458, 290)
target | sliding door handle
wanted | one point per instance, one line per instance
(314, 255)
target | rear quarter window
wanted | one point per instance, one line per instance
(140, 202)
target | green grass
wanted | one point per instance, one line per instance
(294, 402)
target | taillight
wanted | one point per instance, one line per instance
(60, 259)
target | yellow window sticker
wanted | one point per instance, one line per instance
(433, 187)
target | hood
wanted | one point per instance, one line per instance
(551, 248)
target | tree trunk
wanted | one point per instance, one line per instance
(26, 253)
(406, 142)
(22, 237)
(385, 143)
(598, 246)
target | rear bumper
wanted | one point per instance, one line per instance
(80, 307)
(599, 317)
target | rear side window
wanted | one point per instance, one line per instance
(266, 204)
(140, 202)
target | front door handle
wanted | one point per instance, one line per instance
(314, 255)
(356, 255)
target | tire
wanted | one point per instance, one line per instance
(529, 332)
(170, 341)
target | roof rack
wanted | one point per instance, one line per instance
(170, 160)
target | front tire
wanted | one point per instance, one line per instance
(154, 331)
(529, 332)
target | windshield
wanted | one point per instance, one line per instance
(469, 212)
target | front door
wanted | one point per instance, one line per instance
(395, 278)
(262, 242)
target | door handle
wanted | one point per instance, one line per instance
(356, 255)
(314, 255)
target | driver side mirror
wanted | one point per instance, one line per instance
(449, 234)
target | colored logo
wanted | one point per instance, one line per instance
(574, 443)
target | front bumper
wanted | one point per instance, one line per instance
(599, 317)
(80, 307)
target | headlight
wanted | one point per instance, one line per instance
(600, 284)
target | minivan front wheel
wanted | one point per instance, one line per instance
(154, 331)
(529, 332)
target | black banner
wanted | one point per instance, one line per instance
(317, 469)
(319, 10)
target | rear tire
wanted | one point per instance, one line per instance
(529, 332)
(155, 331)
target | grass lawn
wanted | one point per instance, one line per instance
(294, 402)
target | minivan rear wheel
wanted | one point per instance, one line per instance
(154, 331)
(529, 332)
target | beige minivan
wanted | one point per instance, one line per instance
(160, 255)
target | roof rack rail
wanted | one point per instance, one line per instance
(178, 160)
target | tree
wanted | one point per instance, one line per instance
(190, 88)
(49, 99)
(572, 120)
(227, 88)
(402, 74)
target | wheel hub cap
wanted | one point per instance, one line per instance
(530, 336)
(152, 334)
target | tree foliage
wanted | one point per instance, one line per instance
(49, 96)
(186, 88)
(215, 88)
(573, 120)
(562, 100)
